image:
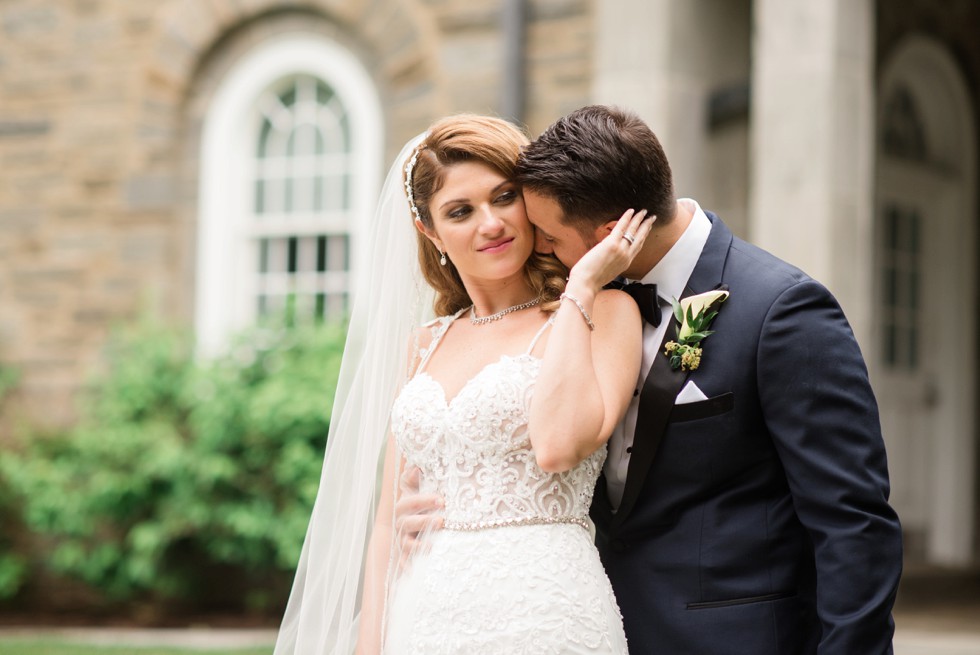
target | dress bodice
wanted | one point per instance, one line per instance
(474, 449)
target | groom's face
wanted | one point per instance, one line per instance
(552, 236)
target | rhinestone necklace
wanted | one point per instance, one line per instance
(483, 320)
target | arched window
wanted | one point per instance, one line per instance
(290, 158)
(300, 221)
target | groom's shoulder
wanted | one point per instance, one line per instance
(748, 263)
(757, 273)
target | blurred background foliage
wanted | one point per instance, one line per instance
(185, 480)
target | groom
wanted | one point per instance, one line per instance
(743, 507)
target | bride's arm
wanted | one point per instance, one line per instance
(369, 636)
(586, 381)
(587, 378)
(378, 557)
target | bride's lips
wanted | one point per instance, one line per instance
(497, 246)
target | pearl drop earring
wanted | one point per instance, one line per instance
(442, 260)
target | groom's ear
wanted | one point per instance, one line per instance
(603, 230)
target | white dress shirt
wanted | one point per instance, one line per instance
(670, 275)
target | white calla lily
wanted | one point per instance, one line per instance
(694, 315)
(695, 305)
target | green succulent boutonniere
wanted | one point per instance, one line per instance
(694, 315)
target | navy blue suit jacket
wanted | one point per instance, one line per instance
(757, 522)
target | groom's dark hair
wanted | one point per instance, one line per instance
(596, 163)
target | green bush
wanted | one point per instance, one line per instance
(185, 474)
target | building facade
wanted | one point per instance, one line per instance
(209, 161)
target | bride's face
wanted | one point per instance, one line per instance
(479, 221)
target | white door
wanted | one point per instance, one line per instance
(924, 370)
(911, 291)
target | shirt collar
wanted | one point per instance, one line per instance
(673, 271)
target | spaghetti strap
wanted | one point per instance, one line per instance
(534, 341)
(444, 323)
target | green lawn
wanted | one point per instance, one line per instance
(49, 647)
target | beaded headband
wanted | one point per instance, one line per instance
(409, 168)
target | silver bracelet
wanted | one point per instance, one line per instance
(585, 314)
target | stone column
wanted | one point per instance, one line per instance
(665, 59)
(646, 62)
(812, 143)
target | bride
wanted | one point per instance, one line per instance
(502, 406)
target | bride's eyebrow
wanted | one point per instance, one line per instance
(455, 200)
(492, 191)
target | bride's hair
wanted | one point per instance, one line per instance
(493, 142)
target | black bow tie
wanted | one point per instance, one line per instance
(645, 296)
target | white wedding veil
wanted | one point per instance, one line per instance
(392, 299)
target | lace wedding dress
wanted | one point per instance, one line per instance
(514, 570)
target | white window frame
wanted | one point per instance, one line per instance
(226, 265)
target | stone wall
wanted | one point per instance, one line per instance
(85, 214)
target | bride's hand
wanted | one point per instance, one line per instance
(613, 255)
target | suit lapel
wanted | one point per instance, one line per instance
(664, 383)
(710, 268)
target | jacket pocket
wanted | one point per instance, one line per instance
(748, 600)
(703, 408)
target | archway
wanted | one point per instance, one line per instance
(925, 281)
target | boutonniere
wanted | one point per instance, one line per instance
(694, 315)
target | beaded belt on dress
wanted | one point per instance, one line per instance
(471, 526)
